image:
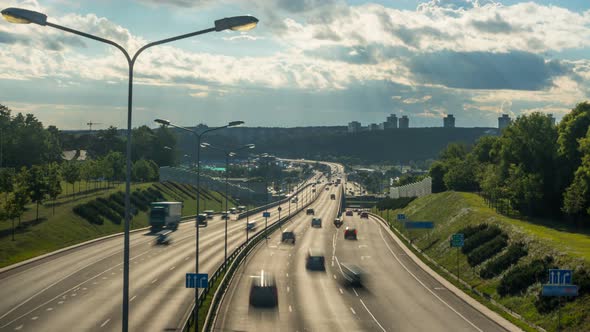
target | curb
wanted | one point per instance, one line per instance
(503, 322)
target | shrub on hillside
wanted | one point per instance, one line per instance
(105, 210)
(88, 213)
(517, 280)
(499, 264)
(182, 190)
(138, 201)
(581, 278)
(113, 206)
(487, 250)
(479, 238)
(472, 229)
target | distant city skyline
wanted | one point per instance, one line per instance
(309, 62)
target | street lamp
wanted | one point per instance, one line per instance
(24, 16)
(198, 137)
(227, 153)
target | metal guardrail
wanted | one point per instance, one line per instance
(235, 259)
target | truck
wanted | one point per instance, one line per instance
(165, 215)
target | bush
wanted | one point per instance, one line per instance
(472, 229)
(487, 250)
(517, 280)
(479, 238)
(120, 210)
(504, 261)
(89, 213)
(393, 204)
(581, 278)
(118, 198)
(138, 201)
(183, 190)
(104, 210)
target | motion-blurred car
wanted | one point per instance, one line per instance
(316, 222)
(225, 215)
(365, 215)
(352, 273)
(163, 237)
(350, 233)
(349, 213)
(251, 225)
(263, 291)
(338, 222)
(315, 260)
(288, 236)
(310, 211)
(209, 213)
(202, 219)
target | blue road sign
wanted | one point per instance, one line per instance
(197, 280)
(560, 290)
(560, 277)
(419, 224)
(266, 214)
(457, 240)
(401, 216)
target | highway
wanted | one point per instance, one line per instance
(396, 296)
(81, 289)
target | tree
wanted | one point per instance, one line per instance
(142, 171)
(38, 186)
(461, 174)
(53, 182)
(164, 153)
(114, 166)
(6, 181)
(454, 151)
(437, 173)
(71, 173)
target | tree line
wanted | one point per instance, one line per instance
(535, 167)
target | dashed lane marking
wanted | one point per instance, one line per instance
(105, 322)
(375, 319)
(34, 317)
(133, 298)
(341, 292)
(351, 309)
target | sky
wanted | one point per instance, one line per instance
(308, 62)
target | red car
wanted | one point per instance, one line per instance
(350, 233)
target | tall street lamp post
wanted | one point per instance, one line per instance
(23, 16)
(198, 137)
(228, 154)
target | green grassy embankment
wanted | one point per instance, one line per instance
(64, 228)
(454, 211)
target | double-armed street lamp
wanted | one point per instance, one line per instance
(228, 154)
(24, 16)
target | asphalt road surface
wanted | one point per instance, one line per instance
(396, 295)
(81, 289)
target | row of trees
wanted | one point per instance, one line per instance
(537, 167)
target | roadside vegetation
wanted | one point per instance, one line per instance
(505, 259)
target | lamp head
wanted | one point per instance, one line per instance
(24, 16)
(236, 23)
(162, 122)
(235, 123)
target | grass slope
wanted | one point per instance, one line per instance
(65, 228)
(451, 211)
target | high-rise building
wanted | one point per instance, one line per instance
(449, 121)
(373, 127)
(404, 122)
(391, 122)
(504, 121)
(354, 127)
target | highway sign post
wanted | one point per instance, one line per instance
(457, 241)
(197, 280)
(266, 215)
(560, 285)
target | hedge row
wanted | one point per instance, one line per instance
(183, 190)
(106, 211)
(520, 278)
(487, 250)
(501, 263)
(89, 213)
(480, 237)
(472, 229)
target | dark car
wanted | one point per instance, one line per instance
(350, 233)
(202, 219)
(288, 236)
(310, 211)
(352, 273)
(316, 222)
(365, 215)
(315, 260)
(163, 237)
(338, 222)
(333, 196)
(263, 291)
(349, 213)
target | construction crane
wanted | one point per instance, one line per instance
(90, 124)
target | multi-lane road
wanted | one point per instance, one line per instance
(81, 289)
(397, 294)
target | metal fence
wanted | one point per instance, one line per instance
(416, 189)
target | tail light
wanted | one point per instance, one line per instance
(355, 232)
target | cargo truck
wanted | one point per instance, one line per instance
(165, 215)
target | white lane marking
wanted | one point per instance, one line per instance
(334, 276)
(105, 322)
(363, 246)
(288, 289)
(34, 317)
(49, 309)
(186, 257)
(364, 257)
(423, 285)
(60, 302)
(172, 268)
(153, 281)
(74, 294)
(439, 288)
(287, 275)
(375, 319)
(59, 295)
(290, 309)
(133, 298)
(18, 328)
(341, 292)
(354, 290)
(354, 312)
(84, 288)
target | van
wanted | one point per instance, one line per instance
(316, 222)
(251, 225)
(209, 213)
(315, 260)
(310, 211)
(263, 291)
(202, 219)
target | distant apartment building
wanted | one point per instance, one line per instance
(404, 122)
(391, 122)
(373, 127)
(354, 127)
(504, 121)
(449, 121)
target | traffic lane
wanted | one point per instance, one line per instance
(406, 297)
(439, 294)
(43, 301)
(275, 258)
